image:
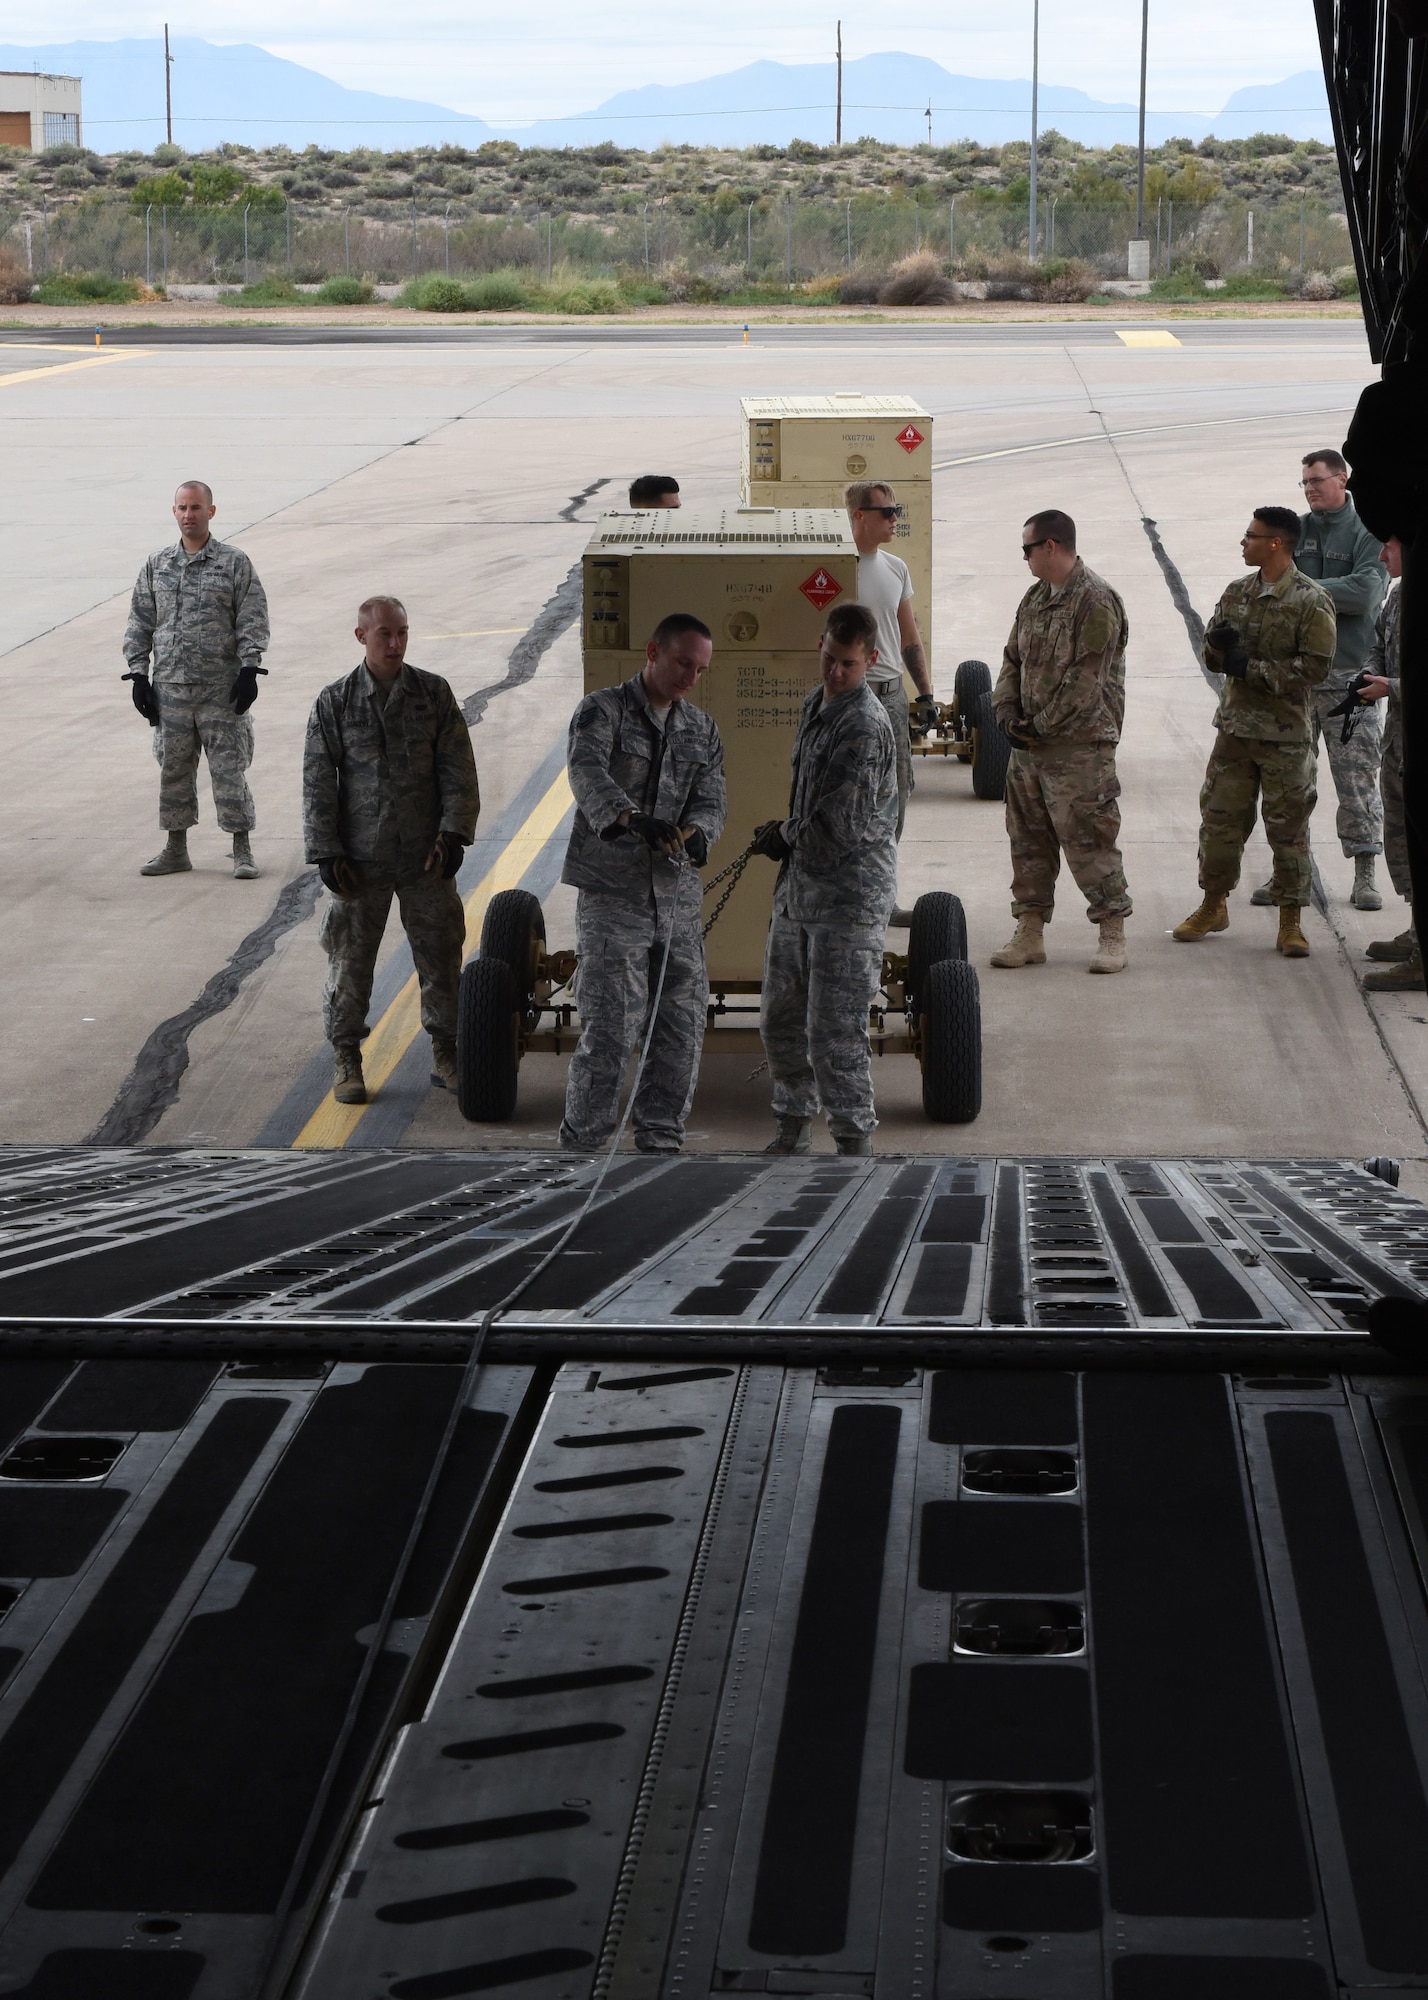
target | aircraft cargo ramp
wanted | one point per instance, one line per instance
(910, 1577)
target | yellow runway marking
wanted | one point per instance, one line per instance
(68, 367)
(333, 1124)
(1148, 336)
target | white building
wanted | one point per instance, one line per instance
(38, 110)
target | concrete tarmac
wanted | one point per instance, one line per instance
(464, 474)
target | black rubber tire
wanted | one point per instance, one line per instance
(938, 930)
(951, 1023)
(514, 931)
(488, 1020)
(991, 752)
(974, 679)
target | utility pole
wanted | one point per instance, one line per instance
(168, 87)
(929, 121)
(1035, 71)
(1140, 148)
(838, 125)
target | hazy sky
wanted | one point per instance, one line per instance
(554, 57)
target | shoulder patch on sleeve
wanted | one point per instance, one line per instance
(1099, 628)
(586, 715)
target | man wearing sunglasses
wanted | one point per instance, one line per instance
(1272, 637)
(1060, 698)
(1339, 553)
(885, 587)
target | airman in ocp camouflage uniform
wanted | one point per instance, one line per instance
(647, 772)
(1060, 698)
(835, 893)
(1272, 636)
(199, 614)
(390, 802)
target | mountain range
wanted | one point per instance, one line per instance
(243, 94)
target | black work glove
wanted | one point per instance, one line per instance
(659, 835)
(696, 845)
(244, 691)
(925, 714)
(339, 875)
(447, 855)
(768, 840)
(145, 700)
(1020, 731)
(1229, 650)
(1351, 708)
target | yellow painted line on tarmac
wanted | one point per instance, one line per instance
(1147, 336)
(68, 367)
(333, 1124)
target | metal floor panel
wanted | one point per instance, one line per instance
(918, 1579)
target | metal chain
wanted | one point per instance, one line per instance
(735, 868)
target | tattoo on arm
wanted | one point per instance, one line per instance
(915, 660)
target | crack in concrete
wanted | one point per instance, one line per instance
(152, 1085)
(555, 616)
(577, 500)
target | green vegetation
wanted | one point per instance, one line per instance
(272, 292)
(344, 292)
(78, 288)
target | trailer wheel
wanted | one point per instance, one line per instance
(938, 930)
(991, 752)
(950, 1011)
(974, 679)
(488, 1025)
(514, 932)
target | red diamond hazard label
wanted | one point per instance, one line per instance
(910, 438)
(821, 588)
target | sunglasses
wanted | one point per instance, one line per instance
(888, 513)
(1046, 542)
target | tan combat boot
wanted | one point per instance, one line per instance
(348, 1084)
(245, 868)
(1291, 940)
(1111, 951)
(1025, 946)
(443, 1065)
(1211, 916)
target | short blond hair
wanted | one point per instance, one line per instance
(860, 494)
(369, 604)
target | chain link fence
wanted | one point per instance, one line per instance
(720, 241)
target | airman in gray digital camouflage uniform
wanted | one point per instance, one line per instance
(389, 806)
(1404, 971)
(1272, 637)
(836, 888)
(1060, 698)
(198, 627)
(647, 772)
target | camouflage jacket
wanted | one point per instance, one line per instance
(1288, 633)
(1341, 556)
(619, 760)
(379, 783)
(198, 617)
(842, 813)
(1064, 668)
(1383, 653)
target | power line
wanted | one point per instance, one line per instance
(750, 111)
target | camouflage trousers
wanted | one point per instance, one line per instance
(621, 947)
(1062, 799)
(192, 720)
(1390, 782)
(352, 926)
(819, 982)
(1279, 778)
(893, 696)
(1354, 767)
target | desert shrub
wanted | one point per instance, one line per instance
(1180, 283)
(824, 291)
(79, 288)
(497, 292)
(16, 282)
(594, 295)
(271, 292)
(1346, 280)
(861, 287)
(436, 294)
(1252, 285)
(918, 281)
(1318, 285)
(344, 292)
(1067, 281)
(1200, 262)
